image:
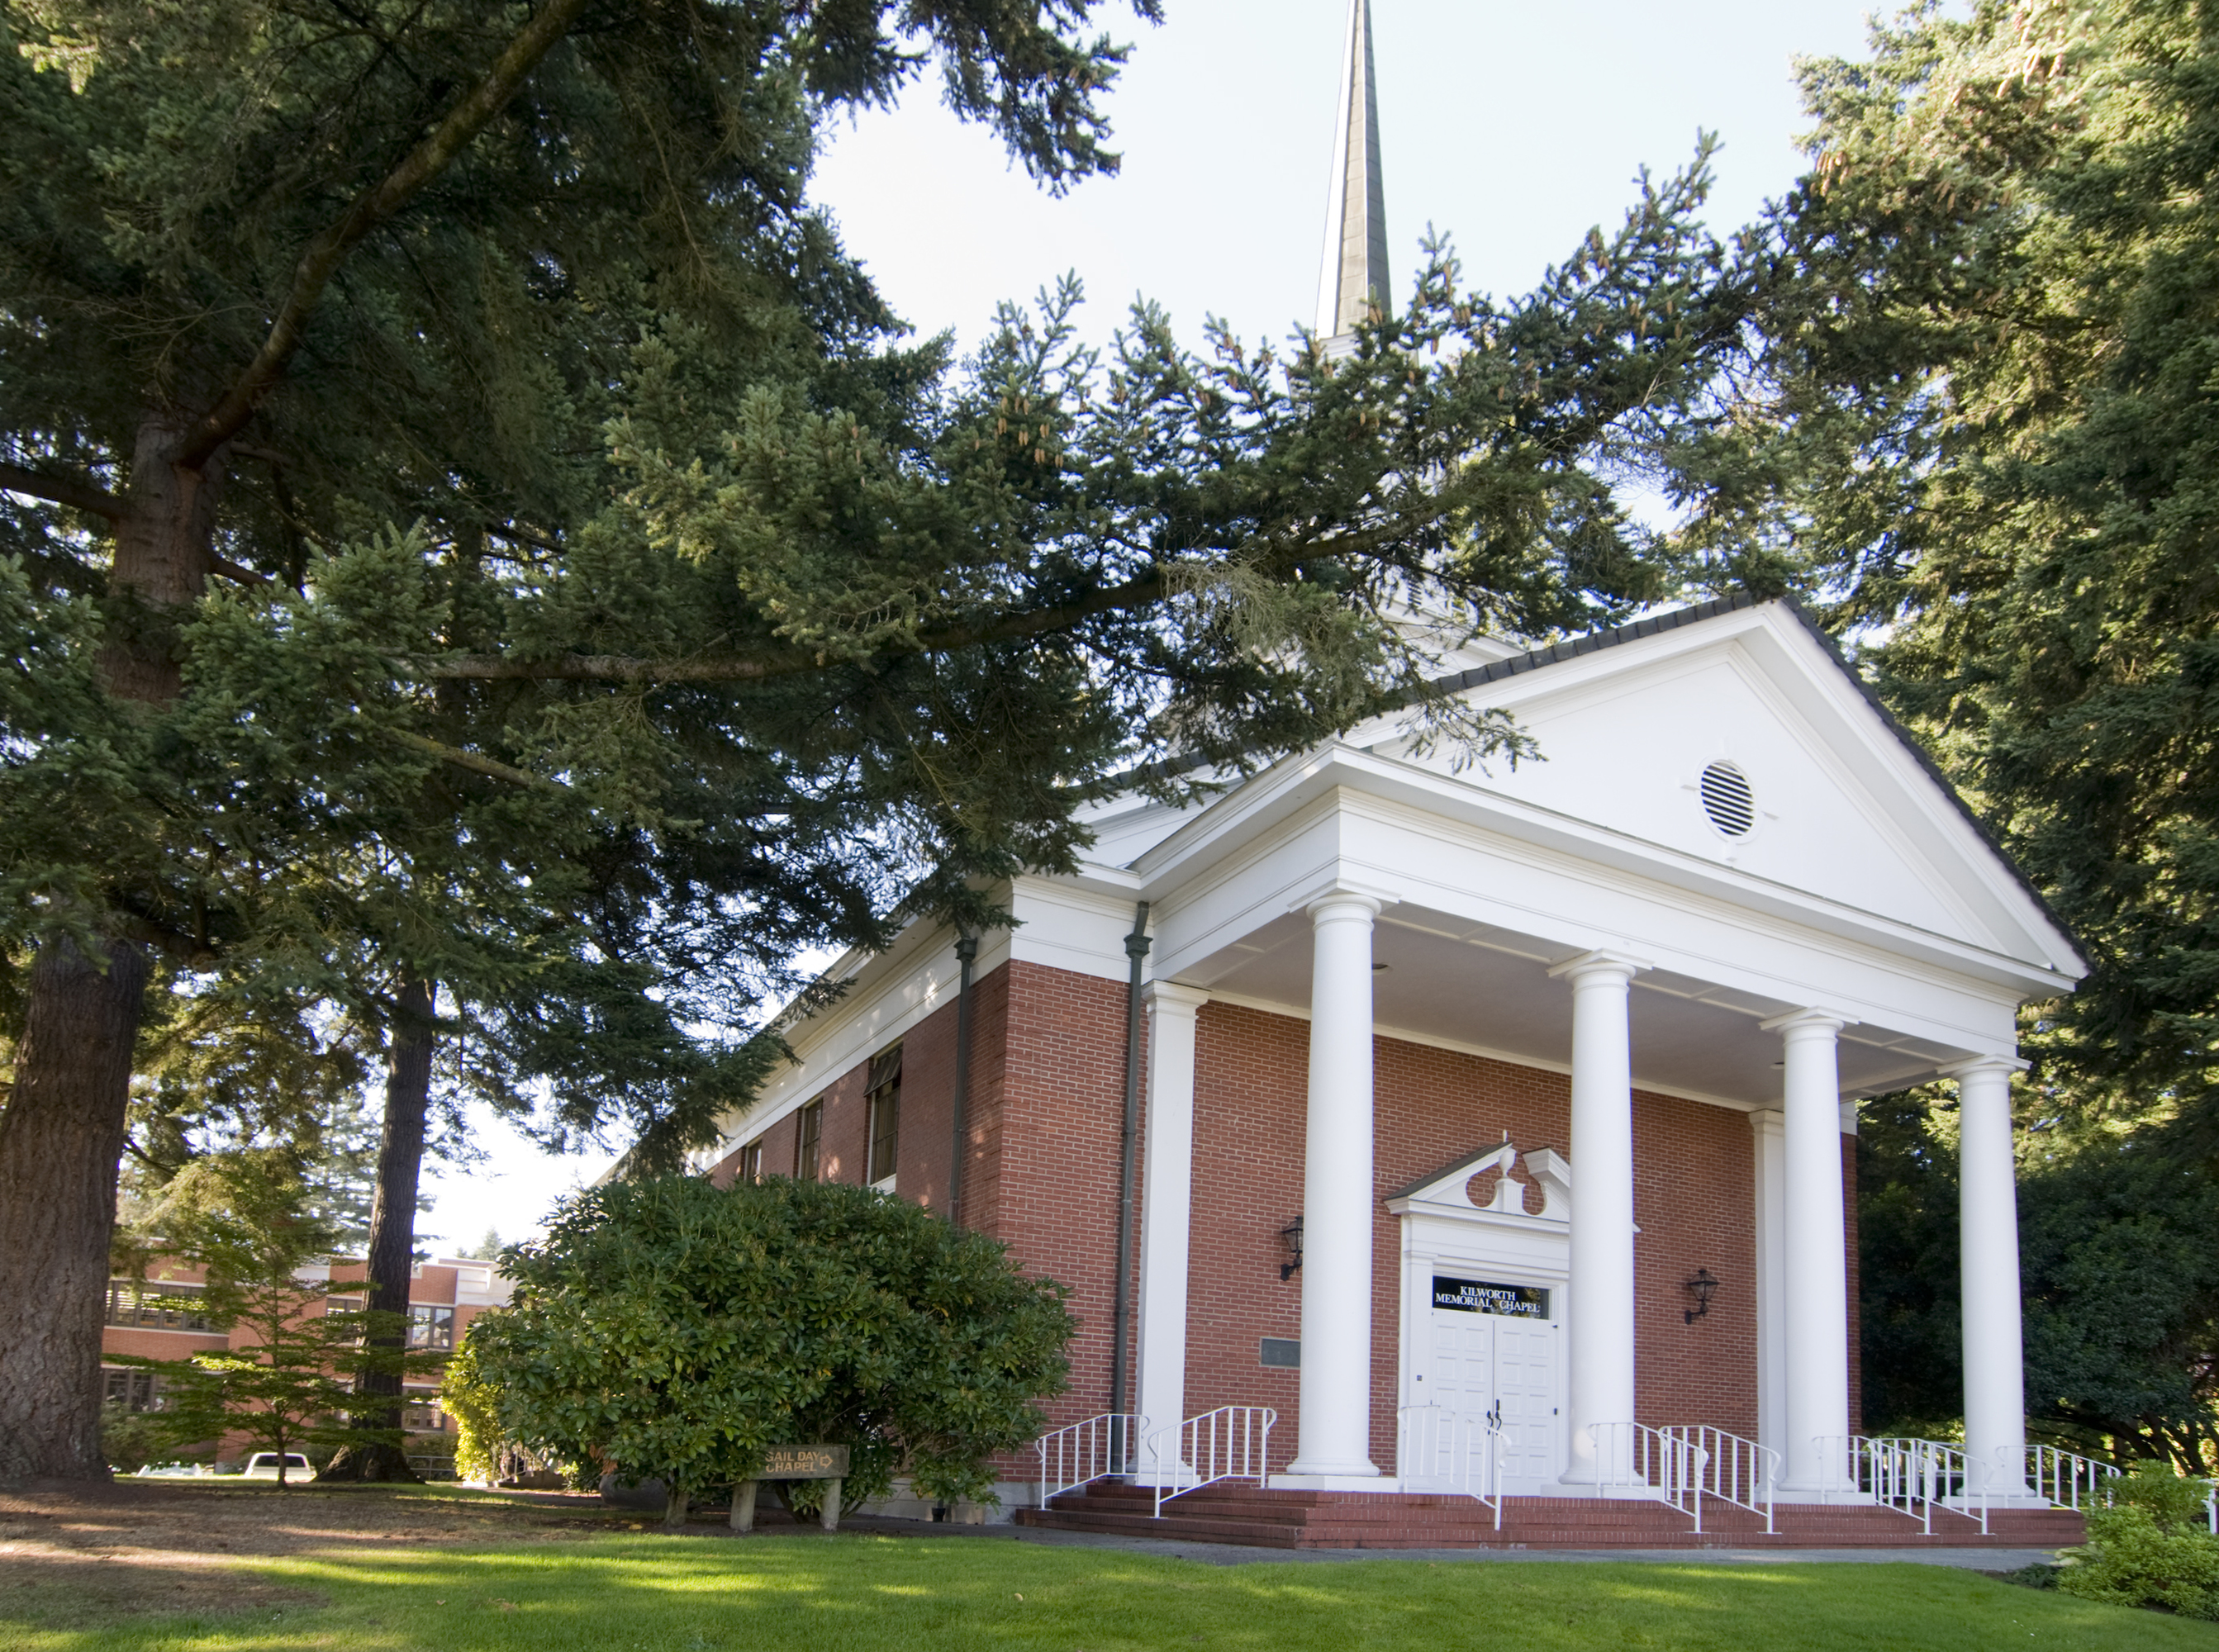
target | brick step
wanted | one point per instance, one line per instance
(1247, 1514)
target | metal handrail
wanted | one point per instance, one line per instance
(1911, 1475)
(2062, 1479)
(1418, 1431)
(1668, 1467)
(1231, 1443)
(1087, 1451)
(1729, 1468)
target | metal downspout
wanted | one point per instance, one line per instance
(966, 950)
(1136, 948)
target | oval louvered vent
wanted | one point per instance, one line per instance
(1727, 799)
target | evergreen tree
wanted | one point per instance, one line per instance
(1978, 425)
(1982, 426)
(722, 618)
(276, 276)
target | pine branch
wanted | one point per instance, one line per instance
(372, 207)
(1148, 588)
(64, 490)
(488, 766)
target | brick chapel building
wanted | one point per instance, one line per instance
(1517, 1097)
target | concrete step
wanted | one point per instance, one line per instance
(1238, 1513)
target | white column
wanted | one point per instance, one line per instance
(1166, 1201)
(1768, 1128)
(1600, 1332)
(1987, 1238)
(1817, 1320)
(1336, 1435)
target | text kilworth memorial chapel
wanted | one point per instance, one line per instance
(1493, 1129)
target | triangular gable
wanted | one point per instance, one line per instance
(1846, 804)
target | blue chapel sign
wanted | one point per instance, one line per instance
(1487, 1296)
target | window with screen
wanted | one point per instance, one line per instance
(809, 1144)
(884, 1095)
(751, 1162)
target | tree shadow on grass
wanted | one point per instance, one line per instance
(83, 1591)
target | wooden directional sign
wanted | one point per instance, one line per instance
(805, 1463)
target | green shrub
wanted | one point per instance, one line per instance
(2175, 1502)
(676, 1330)
(2149, 1548)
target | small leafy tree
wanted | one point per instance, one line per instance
(245, 1217)
(678, 1330)
(475, 1404)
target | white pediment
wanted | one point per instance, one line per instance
(1843, 808)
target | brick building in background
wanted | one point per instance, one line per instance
(159, 1318)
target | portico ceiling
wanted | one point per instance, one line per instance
(1470, 984)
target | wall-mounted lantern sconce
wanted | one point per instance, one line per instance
(1699, 1287)
(1291, 1237)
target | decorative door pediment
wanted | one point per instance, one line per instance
(1446, 1192)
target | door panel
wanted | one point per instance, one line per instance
(1481, 1362)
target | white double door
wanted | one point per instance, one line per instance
(1490, 1368)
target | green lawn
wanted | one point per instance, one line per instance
(858, 1593)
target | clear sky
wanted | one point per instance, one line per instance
(1512, 128)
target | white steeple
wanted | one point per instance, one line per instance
(1355, 271)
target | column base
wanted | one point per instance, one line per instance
(1373, 1481)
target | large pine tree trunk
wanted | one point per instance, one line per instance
(392, 1228)
(60, 1139)
(62, 1135)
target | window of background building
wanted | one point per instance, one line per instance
(430, 1326)
(751, 1162)
(133, 1390)
(155, 1308)
(808, 1150)
(885, 1098)
(421, 1414)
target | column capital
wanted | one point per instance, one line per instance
(1173, 996)
(1340, 896)
(1603, 962)
(1976, 1067)
(1795, 1021)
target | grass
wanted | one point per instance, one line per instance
(855, 1594)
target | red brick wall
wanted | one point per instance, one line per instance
(1693, 1200)
(1056, 1126)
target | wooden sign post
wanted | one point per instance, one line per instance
(825, 1463)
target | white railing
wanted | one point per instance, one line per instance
(1665, 1464)
(1727, 1467)
(1449, 1452)
(2064, 1479)
(1088, 1451)
(1914, 1477)
(1231, 1443)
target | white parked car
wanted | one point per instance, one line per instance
(263, 1465)
(173, 1471)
